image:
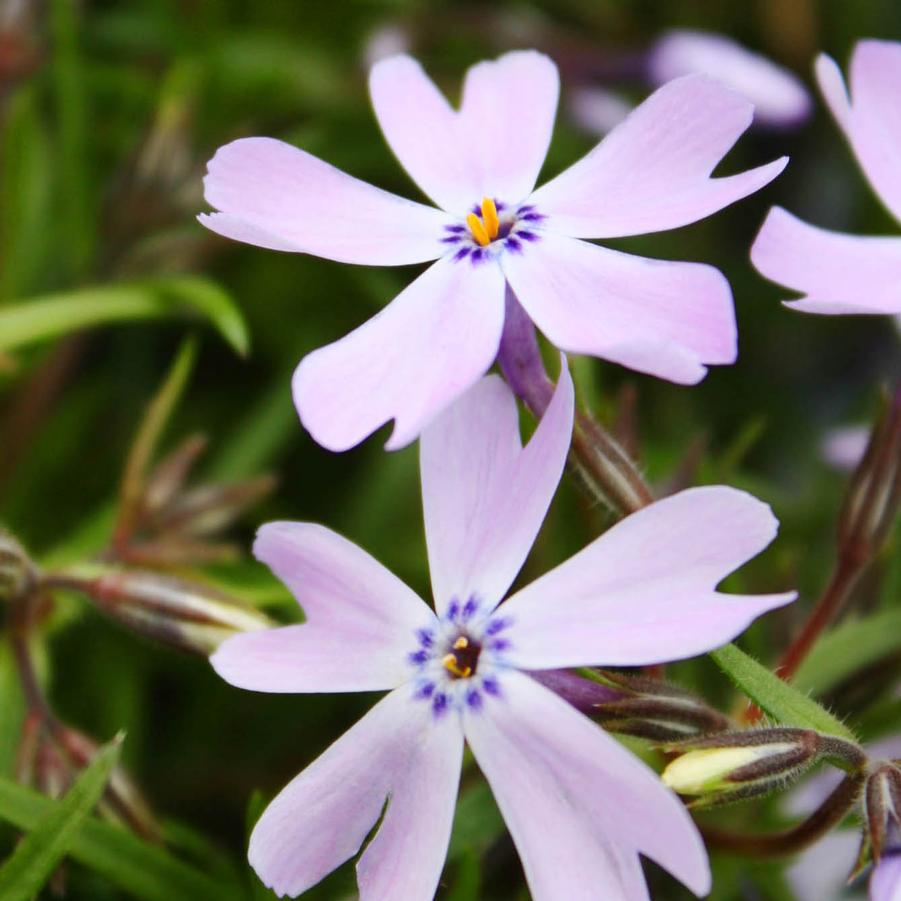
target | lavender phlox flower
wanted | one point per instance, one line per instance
(779, 97)
(844, 447)
(479, 165)
(821, 873)
(579, 806)
(836, 272)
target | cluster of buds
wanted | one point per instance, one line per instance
(636, 705)
(733, 766)
(188, 615)
(164, 523)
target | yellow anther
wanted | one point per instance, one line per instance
(461, 642)
(450, 663)
(478, 229)
(489, 217)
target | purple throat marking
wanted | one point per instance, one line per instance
(457, 660)
(515, 231)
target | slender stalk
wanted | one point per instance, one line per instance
(601, 466)
(844, 578)
(777, 844)
(865, 520)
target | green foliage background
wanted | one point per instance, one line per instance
(103, 139)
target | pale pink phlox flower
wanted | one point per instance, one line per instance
(821, 872)
(844, 447)
(579, 806)
(779, 97)
(836, 272)
(479, 165)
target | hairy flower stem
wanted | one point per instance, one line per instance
(777, 844)
(600, 465)
(865, 521)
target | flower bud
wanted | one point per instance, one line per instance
(634, 705)
(882, 809)
(653, 709)
(187, 615)
(736, 765)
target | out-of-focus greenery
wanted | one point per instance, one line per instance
(109, 112)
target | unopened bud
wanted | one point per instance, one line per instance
(637, 705)
(210, 509)
(882, 806)
(187, 615)
(737, 765)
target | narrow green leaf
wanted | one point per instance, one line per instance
(39, 853)
(145, 871)
(12, 709)
(49, 316)
(158, 413)
(847, 649)
(26, 191)
(780, 700)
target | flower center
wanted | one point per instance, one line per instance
(459, 659)
(490, 228)
(486, 229)
(463, 658)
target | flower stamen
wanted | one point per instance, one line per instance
(463, 657)
(452, 665)
(479, 232)
(489, 217)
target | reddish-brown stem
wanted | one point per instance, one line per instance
(777, 844)
(844, 578)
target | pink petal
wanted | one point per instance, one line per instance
(871, 119)
(837, 273)
(844, 447)
(277, 196)
(507, 115)
(430, 344)
(644, 591)
(885, 883)
(424, 133)
(665, 318)
(779, 97)
(484, 496)
(652, 172)
(362, 620)
(832, 86)
(493, 147)
(398, 752)
(578, 805)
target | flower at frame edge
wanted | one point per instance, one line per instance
(479, 165)
(578, 805)
(821, 872)
(841, 273)
(780, 98)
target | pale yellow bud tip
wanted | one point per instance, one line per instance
(705, 770)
